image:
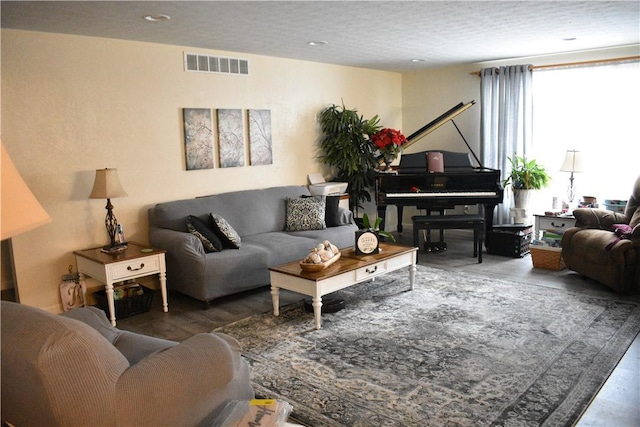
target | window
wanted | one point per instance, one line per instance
(596, 110)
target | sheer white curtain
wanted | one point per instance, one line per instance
(505, 123)
(594, 109)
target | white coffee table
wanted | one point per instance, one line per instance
(349, 270)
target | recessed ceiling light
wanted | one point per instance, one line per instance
(156, 18)
(318, 43)
(418, 60)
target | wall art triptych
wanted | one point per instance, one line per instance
(199, 137)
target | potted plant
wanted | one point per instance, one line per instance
(346, 148)
(366, 225)
(367, 240)
(525, 175)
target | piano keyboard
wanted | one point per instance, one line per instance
(445, 194)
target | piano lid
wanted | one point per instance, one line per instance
(435, 124)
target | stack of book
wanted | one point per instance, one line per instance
(254, 413)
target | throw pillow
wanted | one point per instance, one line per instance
(202, 231)
(229, 237)
(331, 212)
(306, 213)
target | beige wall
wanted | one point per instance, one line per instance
(428, 93)
(73, 104)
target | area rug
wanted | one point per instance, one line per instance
(458, 350)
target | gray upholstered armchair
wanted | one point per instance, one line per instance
(593, 249)
(76, 369)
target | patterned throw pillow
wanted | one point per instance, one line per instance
(230, 238)
(306, 214)
(202, 231)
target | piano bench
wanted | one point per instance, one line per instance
(449, 222)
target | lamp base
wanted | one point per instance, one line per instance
(112, 249)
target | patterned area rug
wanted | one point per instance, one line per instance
(458, 350)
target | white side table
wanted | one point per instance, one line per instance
(135, 261)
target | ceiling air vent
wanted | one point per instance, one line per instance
(215, 64)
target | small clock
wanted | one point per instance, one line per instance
(367, 242)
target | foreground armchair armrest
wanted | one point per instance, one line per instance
(188, 384)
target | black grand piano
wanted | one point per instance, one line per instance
(461, 183)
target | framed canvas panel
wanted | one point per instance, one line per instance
(230, 138)
(260, 152)
(198, 138)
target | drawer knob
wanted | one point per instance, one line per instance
(136, 269)
(372, 271)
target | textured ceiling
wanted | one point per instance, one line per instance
(379, 35)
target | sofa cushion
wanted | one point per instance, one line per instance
(229, 237)
(199, 228)
(305, 213)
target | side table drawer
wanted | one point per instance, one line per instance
(555, 223)
(371, 271)
(135, 268)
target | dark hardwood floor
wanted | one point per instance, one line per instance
(616, 405)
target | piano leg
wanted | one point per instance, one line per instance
(440, 245)
(400, 211)
(382, 214)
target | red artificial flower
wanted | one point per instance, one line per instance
(388, 137)
(415, 190)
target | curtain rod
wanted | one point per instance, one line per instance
(572, 64)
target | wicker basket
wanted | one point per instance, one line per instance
(547, 258)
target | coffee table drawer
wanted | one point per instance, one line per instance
(371, 271)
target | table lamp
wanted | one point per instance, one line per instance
(572, 163)
(107, 186)
(20, 211)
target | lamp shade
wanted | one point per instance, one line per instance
(20, 211)
(107, 185)
(572, 162)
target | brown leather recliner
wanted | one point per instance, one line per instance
(593, 249)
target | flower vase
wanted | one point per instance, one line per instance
(388, 159)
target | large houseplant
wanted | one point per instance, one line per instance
(346, 148)
(525, 175)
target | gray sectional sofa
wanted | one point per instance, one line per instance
(259, 217)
